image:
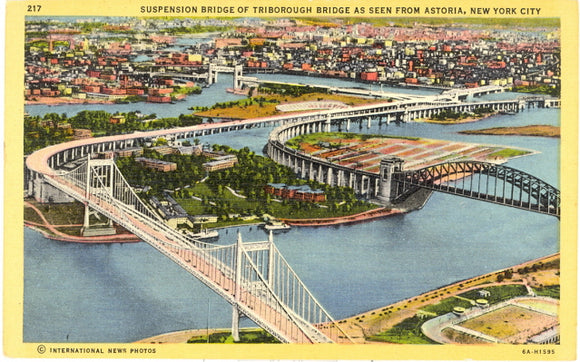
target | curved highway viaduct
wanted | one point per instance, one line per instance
(48, 160)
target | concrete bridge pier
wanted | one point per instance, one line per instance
(43, 192)
(96, 229)
(235, 324)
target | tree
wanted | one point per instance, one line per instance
(161, 142)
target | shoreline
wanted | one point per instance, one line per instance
(54, 234)
(342, 220)
(357, 328)
(409, 307)
(61, 101)
(110, 239)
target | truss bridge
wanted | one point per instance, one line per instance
(476, 180)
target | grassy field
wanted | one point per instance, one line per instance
(552, 291)
(247, 110)
(510, 322)
(540, 304)
(57, 214)
(32, 215)
(498, 293)
(446, 306)
(508, 153)
(251, 336)
(315, 138)
(407, 332)
(287, 210)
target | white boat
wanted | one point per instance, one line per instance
(276, 226)
(206, 235)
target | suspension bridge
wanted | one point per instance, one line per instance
(253, 277)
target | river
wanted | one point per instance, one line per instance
(125, 292)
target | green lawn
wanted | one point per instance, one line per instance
(552, 291)
(32, 215)
(288, 209)
(249, 336)
(446, 306)
(193, 207)
(508, 153)
(498, 293)
(58, 214)
(406, 332)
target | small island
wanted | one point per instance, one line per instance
(533, 130)
(447, 117)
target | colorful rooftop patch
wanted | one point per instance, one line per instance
(366, 151)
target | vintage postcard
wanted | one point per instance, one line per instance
(369, 180)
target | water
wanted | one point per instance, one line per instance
(109, 293)
(122, 293)
(209, 96)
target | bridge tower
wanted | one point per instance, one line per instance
(212, 74)
(238, 74)
(388, 166)
(269, 249)
(99, 179)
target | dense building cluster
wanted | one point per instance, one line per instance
(136, 58)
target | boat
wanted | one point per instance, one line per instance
(205, 235)
(276, 226)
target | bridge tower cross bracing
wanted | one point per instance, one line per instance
(97, 174)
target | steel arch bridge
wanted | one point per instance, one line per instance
(481, 181)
